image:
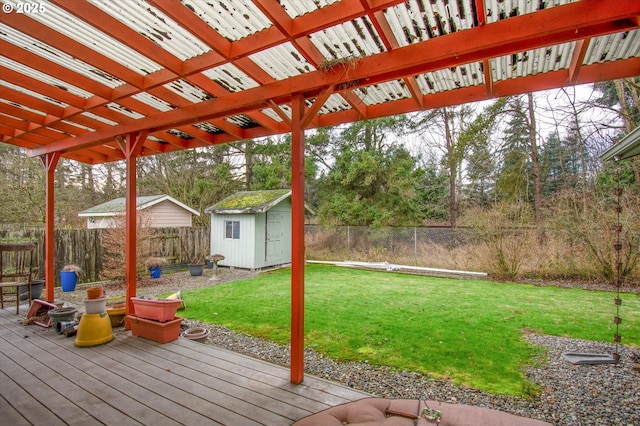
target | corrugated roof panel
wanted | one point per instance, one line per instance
(274, 115)
(448, 79)
(352, 39)
(419, 20)
(152, 101)
(612, 47)
(81, 126)
(26, 108)
(334, 103)
(99, 118)
(208, 127)
(297, 8)
(233, 20)
(56, 56)
(32, 94)
(124, 110)
(231, 78)
(497, 10)
(242, 121)
(282, 61)
(40, 76)
(384, 92)
(188, 91)
(180, 134)
(85, 34)
(531, 62)
(155, 25)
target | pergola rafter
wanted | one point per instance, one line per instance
(84, 80)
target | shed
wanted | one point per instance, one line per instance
(164, 211)
(252, 228)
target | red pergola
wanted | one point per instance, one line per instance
(99, 80)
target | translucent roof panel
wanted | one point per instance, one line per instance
(419, 20)
(72, 27)
(231, 78)
(56, 56)
(497, 10)
(384, 92)
(233, 20)
(282, 61)
(155, 25)
(351, 39)
(449, 79)
(41, 76)
(613, 47)
(297, 8)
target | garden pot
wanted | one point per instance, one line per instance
(94, 329)
(61, 314)
(68, 280)
(196, 269)
(161, 332)
(161, 310)
(94, 292)
(116, 314)
(95, 306)
(36, 290)
(155, 272)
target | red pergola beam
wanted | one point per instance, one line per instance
(559, 24)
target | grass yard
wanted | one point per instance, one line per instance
(468, 331)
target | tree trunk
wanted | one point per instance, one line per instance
(453, 170)
(535, 164)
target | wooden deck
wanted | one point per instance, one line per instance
(46, 380)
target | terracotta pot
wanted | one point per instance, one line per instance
(161, 332)
(94, 292)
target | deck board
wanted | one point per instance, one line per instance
(46, 379)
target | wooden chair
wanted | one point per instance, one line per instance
(16, 269)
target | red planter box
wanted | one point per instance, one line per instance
(155, 309)
(161, 332)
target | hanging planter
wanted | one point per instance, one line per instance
(154, 265)
(69, 277)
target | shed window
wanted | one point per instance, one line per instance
(232, 229)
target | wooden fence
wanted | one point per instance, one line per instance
(84, 247)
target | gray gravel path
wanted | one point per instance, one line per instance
(571, 395)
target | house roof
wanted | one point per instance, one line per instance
(79, 76)
(628, 147)
(117, 205)
(249, 201)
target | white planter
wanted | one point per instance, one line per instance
(95, 306)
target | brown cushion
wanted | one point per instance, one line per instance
(401, 412)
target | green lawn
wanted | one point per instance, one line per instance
(468, 331)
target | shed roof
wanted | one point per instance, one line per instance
(77, 76)
(628, 147)
(249, 201)
(117, 205)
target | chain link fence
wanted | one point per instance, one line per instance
(419, 246)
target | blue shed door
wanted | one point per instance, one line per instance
(274, 250)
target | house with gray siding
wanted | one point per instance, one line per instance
(252, 229)
(163, 210)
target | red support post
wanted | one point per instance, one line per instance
(50, 162)
(131, 147)
(297, 240)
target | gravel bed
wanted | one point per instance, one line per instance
(571, 395)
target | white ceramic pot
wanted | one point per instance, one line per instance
(95, 306)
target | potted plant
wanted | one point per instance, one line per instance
(196, 266)
(36, 289)
(154, 265)
(69, 275)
